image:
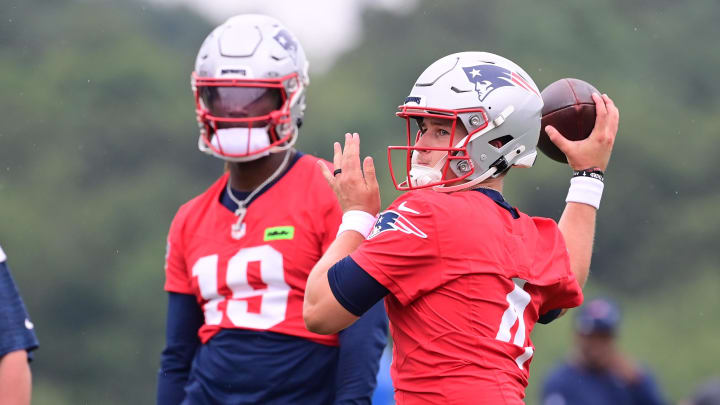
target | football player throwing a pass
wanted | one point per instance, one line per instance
(465, 275)
(239, 254)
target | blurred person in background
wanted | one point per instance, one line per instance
(239, 254)
(17, 341)
(596, 372)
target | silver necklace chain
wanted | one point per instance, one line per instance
(238, 228)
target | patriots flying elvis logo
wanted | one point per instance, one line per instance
(285, 40)
(393, 221)
(491, 77)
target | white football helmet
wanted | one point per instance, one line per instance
(493, 98)
(249, 85)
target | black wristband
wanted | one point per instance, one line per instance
(592, 172)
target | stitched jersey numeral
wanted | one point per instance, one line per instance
(270, 290)
(518, 299)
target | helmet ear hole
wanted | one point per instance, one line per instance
(501, 141)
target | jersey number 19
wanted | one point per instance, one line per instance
(273, 290)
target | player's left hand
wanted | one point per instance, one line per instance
(356, 188)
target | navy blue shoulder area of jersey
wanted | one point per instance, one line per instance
(353, 287)
(228, 202)
(499, 200)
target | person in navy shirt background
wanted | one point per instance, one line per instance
(597, 373)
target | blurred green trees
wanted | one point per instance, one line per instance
(98, 149)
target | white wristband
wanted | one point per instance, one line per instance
(585, 190)
(358, 221)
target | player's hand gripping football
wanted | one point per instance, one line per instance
(595, 150)
(356, 188)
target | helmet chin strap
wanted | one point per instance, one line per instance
(488, 173)
(492, 170)
(469, 184)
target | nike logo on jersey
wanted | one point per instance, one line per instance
(394, 221)
(403, 207)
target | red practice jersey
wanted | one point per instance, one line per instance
(256, 282)
(467, 284)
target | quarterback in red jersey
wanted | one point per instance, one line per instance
(239, 254)
(465, 275)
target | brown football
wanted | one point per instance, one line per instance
(569, 107)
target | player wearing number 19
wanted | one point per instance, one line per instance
(465, 275)
(239, 254)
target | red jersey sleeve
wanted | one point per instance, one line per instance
(176, 274)
(402, 251)
(564, 294)
(558, 284)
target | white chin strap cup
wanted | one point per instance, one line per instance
(423, 175)
(241, 141)
(234, 141)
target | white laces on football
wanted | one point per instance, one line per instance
(237, 230)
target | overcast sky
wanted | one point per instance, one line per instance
(325, 27)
